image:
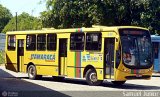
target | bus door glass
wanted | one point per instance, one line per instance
(109, 57)
(20, 54)
(62, 55)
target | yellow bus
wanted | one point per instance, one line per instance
(117, 53)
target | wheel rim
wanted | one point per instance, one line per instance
(31, 72)
(93, 77)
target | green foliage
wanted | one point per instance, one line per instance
(79, 13)
(1, 57)
(71, 13)
(5, 16)
(25, 22)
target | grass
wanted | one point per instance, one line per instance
(1, 57)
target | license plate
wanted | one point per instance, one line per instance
(138, 75)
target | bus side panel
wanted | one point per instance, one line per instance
(10, 57)
(47, 70)
(71, 68)
(100, 73)
(94, 59)
(71, 72)
(46, 62)
(77, 61)
(11, 60)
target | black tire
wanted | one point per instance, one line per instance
(91, 78)
(32, 73)
(118, 83)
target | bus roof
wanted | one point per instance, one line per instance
(155, 38)
(83, 29)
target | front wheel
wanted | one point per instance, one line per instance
(118, 82)
(91, 78)
(32, 73)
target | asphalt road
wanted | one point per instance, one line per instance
(18, 85)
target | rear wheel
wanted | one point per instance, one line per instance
(32, 73)
(91, 77)
(118, 82)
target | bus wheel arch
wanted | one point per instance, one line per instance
(86, 69)
(90, 75)
(29, 65)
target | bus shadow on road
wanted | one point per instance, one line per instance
(131, 86)
(4, 74)
(104, 84)
(13, 86)
(6, 77)
(65, 80)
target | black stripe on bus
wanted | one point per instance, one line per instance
(44, 65)
(10, 63)
(81, 67)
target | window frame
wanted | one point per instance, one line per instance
(99, 41)
(41, 42)
(75, 42)
(55, 42)
(35, 42)
(9, 48)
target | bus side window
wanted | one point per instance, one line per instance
(51, 41)
(11, 42)
(93, 41)
(41, 42)
(31, 42)
(77, 41)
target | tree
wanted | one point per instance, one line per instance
(153, 14)
(72, 13)
(78, 13)
(25, 22)
(85, 13)
(5, 16)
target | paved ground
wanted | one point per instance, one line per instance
(17, 84)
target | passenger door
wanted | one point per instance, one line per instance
(20, 55)
(62, 56)
(109, 57)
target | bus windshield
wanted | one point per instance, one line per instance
(136, 48)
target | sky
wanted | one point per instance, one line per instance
(30, 6)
